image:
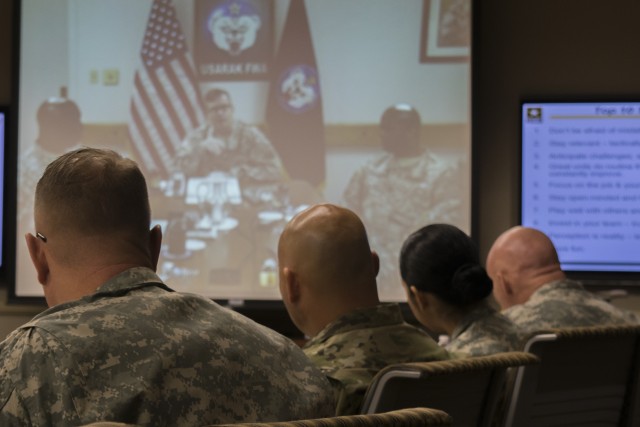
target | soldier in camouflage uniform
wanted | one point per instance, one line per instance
(328, 284)
(534, 292)
(484, 331)
(116, 343)
(59, 131)
(228, 145)
(401, 190)
(32, 163)
(449, 291)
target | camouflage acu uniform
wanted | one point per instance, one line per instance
(247, 154)
(352, 349)
(396, 196)
(484, 331)
(139, 353)
(566, 303)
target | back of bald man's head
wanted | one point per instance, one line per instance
(328, 246)
(526, 251)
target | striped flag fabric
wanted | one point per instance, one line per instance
(166, 103)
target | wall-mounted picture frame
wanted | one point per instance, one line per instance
(446, 31)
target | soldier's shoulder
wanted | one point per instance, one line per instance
(247, 131)
(21, 353)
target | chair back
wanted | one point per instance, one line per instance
(468, 389)
(631, 417)
(410, 417)
(583, 378)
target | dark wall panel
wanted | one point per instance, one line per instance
(6, 13)
(569, 49)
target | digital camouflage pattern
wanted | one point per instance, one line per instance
(396, 196)
(352, 349)
(484, 331)
(247, 154)
(139, 353)
(566, 303)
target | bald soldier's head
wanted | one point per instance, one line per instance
(520, 261)
(326, 267)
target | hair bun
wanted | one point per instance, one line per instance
(470, 283)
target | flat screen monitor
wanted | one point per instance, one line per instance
(581, 182)
(4, 131)
(309, 80)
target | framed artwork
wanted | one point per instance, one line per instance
(446, 31)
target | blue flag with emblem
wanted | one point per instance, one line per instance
(294, 109)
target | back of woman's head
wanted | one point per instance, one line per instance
(443, 260)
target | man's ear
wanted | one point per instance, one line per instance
(38, 258)
(155, 244)
(505, 282)
(291, 286)
(420, 298)
(376, 263)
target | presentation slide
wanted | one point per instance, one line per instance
(581, 181)
(242, 113)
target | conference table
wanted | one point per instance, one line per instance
(220, 240)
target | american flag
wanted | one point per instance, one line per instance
(166, 103)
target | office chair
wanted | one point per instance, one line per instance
(409, 417)
(584, 378)
(468, 389)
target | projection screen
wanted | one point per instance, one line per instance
(304, 85)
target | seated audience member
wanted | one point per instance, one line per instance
(534, 292)
(328, 285)
(118, 344)
(449, 291)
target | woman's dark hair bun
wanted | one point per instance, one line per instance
(444, 260)
(470, 283)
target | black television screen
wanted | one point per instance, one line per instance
(581, 182)
(4, 130)
(128, 75)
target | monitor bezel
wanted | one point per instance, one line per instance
(596, 279)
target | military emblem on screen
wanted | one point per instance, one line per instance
(299, 89)
(534, 114)
(234, 39)
(234, 26)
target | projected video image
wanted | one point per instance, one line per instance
(242, 113)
